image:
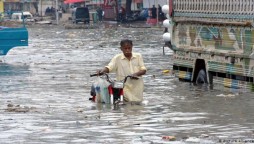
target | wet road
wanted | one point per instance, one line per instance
(44, 91)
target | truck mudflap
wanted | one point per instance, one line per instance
(184, 75)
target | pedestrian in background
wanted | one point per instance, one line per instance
(160, 13)
(122, 14)
(154, 12)
(99, 13)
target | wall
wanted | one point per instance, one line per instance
(43, 4)
(150, 3)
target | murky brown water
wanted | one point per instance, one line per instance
(44, 91)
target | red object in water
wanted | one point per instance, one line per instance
(94, 98)
(73, 1)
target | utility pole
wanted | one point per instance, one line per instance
(41, 7)
(157, 12)
(57, 16)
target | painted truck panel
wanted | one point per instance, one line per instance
(216, 36)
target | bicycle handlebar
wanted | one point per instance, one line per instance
(92, 75)
(125, 79)
(131, 77)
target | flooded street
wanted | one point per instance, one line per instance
(44, 91)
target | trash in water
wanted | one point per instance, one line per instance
(170, 138)
(227, 95)
(166, 71)
(193, 139)
(204, 135)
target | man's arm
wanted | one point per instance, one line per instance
(104, 70)
(142, 68)
(139, 73)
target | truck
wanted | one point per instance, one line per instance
(212, 40)
(12, 34)
(80, 14)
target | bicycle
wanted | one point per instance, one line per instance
(115, 88)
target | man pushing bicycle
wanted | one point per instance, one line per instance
(125, 64)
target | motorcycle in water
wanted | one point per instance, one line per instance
(133, 16)
(108, 91)
(121, 18)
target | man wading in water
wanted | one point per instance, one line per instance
(128, 63)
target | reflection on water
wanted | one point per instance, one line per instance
(12, 77)
(8, 70)
(55, 86)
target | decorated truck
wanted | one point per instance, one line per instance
(212, 40)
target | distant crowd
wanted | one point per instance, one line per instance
(153, 13)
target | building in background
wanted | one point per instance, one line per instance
(150, 3)
(33, 6)
(95, 3)
(20, 5)
(1, 6)
(111, 7)
(51, 4)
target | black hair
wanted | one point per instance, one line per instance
(125, 41)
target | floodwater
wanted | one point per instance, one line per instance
(44, 91)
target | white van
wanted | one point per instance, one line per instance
(18, 16)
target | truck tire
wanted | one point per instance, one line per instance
(202, 77)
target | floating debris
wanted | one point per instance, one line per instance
(80, 110)
(170, 138)
(204, 135)
(18, 108)
(44, 22)
(225, 95)
(193, 140)
(166, 71)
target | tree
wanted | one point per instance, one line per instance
(128, 7)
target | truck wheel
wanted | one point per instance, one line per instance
(202, 77)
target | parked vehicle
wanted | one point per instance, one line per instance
(143, 14)
(133, 16)
(217, 42)
(20, 16)
(80, 14)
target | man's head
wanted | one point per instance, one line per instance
(126, 47)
